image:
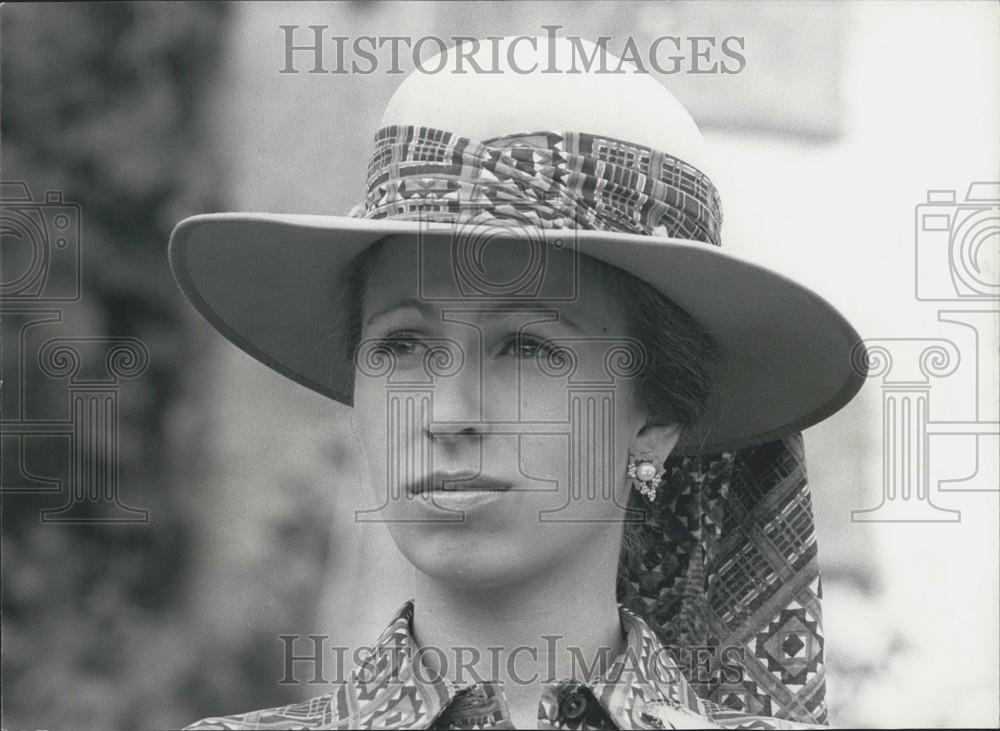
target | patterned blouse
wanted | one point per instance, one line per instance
(643, 689)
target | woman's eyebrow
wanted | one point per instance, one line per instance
(561, 320)
(409, 303)
(560, 317)
(553, 315)
(431, 313)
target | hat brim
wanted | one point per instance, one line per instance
(265, 282)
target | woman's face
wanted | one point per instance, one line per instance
(496, 431)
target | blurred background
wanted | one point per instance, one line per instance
(232, 517)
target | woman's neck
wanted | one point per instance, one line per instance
(567, 618)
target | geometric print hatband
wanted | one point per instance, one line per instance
(563, 180)
(727, 575)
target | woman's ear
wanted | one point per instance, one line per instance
(656, 439)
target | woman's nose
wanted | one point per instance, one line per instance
(455, 439)
(472, 401)
(457, 413)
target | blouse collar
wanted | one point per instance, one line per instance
(644, 682)
(644, 688)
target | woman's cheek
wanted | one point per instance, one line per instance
(543, 398)
(543, 463)
(369, 416)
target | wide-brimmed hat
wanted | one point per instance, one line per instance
(609, 164)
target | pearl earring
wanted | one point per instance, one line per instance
(644, 474)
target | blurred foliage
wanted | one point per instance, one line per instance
(101, 101)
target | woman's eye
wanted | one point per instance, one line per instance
(401, 344)
(526, 347)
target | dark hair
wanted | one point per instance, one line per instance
(673, 387)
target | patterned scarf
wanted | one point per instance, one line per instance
(727, 573)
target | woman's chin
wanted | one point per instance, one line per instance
(470, 561)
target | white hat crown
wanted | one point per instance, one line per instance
(495, 87)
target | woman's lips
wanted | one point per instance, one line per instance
(452, 493)
(448, 482)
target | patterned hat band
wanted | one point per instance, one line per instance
(543, 179)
